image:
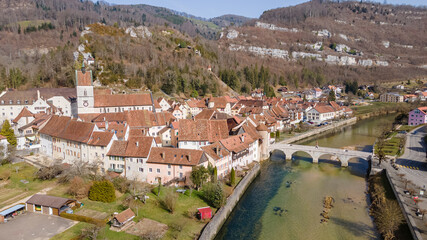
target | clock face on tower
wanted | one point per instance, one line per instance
(85, 103)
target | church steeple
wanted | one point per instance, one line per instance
(83, 68)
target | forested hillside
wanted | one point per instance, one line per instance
(311, 44)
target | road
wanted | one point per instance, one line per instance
(413, 161)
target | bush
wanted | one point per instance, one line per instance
(80, 218)
(78, 188)
(233, 177)
(49, 173)
(102, 191)
(121, 184)
(168, 201)
(214, 194)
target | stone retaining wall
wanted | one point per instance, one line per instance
(320, 130)
(409, 219)
(212, 228)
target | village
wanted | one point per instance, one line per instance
(137, 144)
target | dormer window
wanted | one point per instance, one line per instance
(2, 101)
(10, 102)
(18, 101)
(26, 101)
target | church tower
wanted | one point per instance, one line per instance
(84, 87)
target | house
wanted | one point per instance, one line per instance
(220, 104)
(422, 96)
(417, 116)
(410, 98)
(204, 213)
(173, 165)
(321, 113)
(391, 97)
(37, 100)
(257, 93)
(283, 89)
(49, 205)
(164, 104)
(130, 157)
(177, 112)
(195, 106)
(219, 157)
(194, 134)
(317, 92)
(123, 219)
(243, 149)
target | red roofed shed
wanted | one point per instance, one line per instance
(204, 213)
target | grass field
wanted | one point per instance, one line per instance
(14, 189)
(374, 106)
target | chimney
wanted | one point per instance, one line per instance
(162, 155)
(38, 94)
(137, 143)
(242, 138)
(189, 158)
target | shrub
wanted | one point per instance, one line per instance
(48, 173)
(214, 194)
(233, 177)
(168, 201)
(102, 191)
(4, 175)
(80, 218)
(78, 188)
(121, 184)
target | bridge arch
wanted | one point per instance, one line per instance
(307, 156)
(278, 155)
(330, 158)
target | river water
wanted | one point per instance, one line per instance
(286, 200)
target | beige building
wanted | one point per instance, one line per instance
(391, 97)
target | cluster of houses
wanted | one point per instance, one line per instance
(152, 140)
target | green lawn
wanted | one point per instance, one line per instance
(181, 225)
(407, 128)
(15, 189)
(374, 106)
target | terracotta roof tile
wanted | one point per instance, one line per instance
(68, 129)
(237, 143)
(134, 147)
(216, 151)
(83, 79)
(100, 138)
(125, 215)
(24, 113)
(122, 100)
(176, 156)
(202, 130)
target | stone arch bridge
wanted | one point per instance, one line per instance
(316, 152)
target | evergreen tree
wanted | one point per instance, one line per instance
(215, 174)
(232, 177)
(8, 132)
(331, 96)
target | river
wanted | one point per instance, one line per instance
(286, 200)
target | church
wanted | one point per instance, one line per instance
(96, 101)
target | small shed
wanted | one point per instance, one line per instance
(11, 212)
(50, 205)
(204, 213)
(122, 219)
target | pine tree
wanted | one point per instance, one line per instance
(8, 132)
(232, 177)
(331, 96)
(215, 174)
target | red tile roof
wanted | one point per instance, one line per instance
(83, 79)
(122, 100)
(101, 138)
(216, 151)
(202, 130)
(134, 147)
(24, 113)
(176, 156)
(68, 129)
(237, 143)
(124, 216)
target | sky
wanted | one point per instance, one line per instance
(247, 8)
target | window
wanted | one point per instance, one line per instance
(150, 170)
(180, 166)
(180, 175)
(141, 169)
(158, 170)
(128, 168)
(169, 173)
(169, 166)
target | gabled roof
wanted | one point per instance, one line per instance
(134, 147)
(48, 201)
(176, 156)
(237, 143)
(101, 138)
(205, 114)
(24, 113)
(216, 151)
(68, 129)
(122, 100)
(125, 216)
(202, 130)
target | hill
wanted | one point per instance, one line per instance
(311, 44)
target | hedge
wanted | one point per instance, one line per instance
(81, 218)
(102, 191)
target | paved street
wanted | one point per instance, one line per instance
(413, 161)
